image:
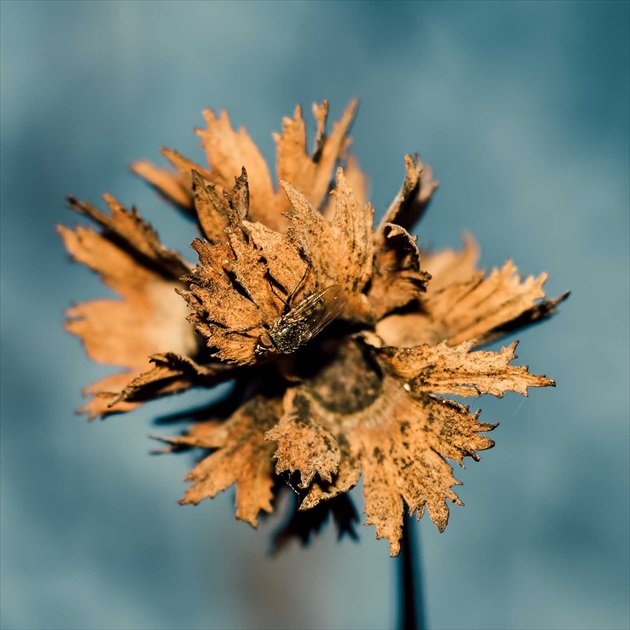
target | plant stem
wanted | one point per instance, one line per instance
(412, 615)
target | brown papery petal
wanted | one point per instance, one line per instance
(173, 184)
(303, 446)
(340, 251)
(104, 392)
(397, 279)
(231, 293)
(356, 179)
(311, 175)
(170, 184)
(414, 196)
(469, 310)
(128, 231)
(228, 151)
(479, 309)
(449, 266)
(172, 374)
(208, 434)
(150, 318)
(455, 370)
(243, 458)
(284, 263)
(211, 208)
(445, 267)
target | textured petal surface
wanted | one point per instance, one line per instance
(397, 279)
(340, 251)
(242, 457)
(149, 318)
(414, 196)
(479, 308)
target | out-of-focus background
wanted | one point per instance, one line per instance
(523, 111)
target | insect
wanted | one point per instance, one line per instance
(301, 323)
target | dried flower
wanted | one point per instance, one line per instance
(339, 344)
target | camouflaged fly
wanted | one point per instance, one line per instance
(300, 324)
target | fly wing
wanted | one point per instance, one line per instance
(317, 311)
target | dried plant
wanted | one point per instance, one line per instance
(340, 344)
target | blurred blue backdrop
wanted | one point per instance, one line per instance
(523, 111)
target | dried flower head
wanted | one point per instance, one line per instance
(340, 345)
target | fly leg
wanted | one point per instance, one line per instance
(298, 286)
(242, 331)
(289, 301)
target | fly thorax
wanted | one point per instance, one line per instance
(289, 337)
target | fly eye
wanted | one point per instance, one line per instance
(265, 341)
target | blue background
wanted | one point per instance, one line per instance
(523, 111)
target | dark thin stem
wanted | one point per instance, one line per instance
(411, 614)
